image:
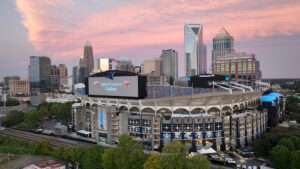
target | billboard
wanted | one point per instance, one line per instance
(102, 120)
(117, 86)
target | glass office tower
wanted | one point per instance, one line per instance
(195, 50)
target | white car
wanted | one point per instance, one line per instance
(230, 161)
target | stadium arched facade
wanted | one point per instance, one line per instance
(221, 120)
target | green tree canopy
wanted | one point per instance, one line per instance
(174, 156)
(109, 156)
(128, 155)
(295, 160)
(287, 142)
(280, 156)
(152, 162)
(92, 158)
(13, 118)
(198, 162)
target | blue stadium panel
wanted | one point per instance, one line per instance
(267, 98)
(275, 94)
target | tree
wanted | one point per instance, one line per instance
(131, 155)
(13, 118)
(66, 113)
(54, 109)
(32, 120)
(43, 110)
(128, 155)
(109, 156)
(152, 162)
(92, 158)
(260, 148)
(73, 155)
(174, 156)
(198, 162)
(295, 160)
(292, 104)
(61, 111)
(280, 156)
(263, 146)
(43, 148)
(296, 141)
(287, 142)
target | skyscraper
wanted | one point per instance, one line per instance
(152, 66)
(88, 57)
(125, 65)
(75, 75)
(80, 74)
(63, 75)
(54, 78)
(39, 78)
(195, 50)
(39, 73)
(169, 64)
(9, 78)
(223, 44)
(105, 64)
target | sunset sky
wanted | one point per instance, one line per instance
(140, 29)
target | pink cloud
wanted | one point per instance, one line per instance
(61, 27)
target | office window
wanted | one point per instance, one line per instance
(244, 67)
(233, 67)
(240, 68)
(227, 67)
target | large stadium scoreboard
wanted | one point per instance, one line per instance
(117, 86)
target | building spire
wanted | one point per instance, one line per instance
(222, 33)
(87, 43)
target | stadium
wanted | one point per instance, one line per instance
(224, 117)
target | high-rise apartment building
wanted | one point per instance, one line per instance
(152, 66)
(63, 75)
(39, 78)
(74, 75)
(125, 65)
(88, 57)
(195, 50)
(19, 88)
(54, 78)
(9, 78)
(80, 74)
(223, 44)
(39, 73)
(105, 64)
(169, 64)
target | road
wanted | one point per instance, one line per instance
(34, 138)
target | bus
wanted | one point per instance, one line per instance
(84, 133)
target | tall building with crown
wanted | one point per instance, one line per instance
(223, 44)
(88, 56)
(195, 50)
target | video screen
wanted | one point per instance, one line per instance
(122, 86)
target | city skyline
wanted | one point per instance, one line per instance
(267, 29)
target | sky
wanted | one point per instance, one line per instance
(140, 29)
